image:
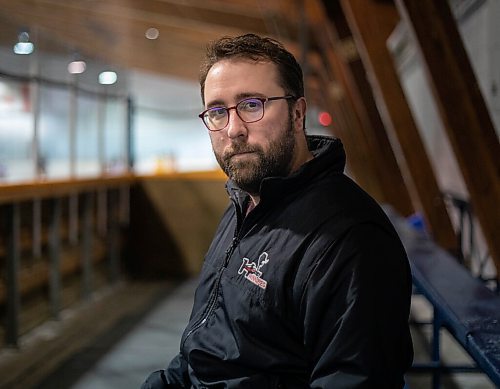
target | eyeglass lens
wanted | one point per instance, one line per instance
(249, 110)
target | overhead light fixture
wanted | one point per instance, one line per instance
(152, 33)
(23, 46)
(77, 67)
(107, 78)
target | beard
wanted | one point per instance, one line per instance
(248, 173)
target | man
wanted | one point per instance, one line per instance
(306, 283)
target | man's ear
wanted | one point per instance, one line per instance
(299, 114)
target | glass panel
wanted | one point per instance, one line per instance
(54, 131)
(87, 153)
(163, 143)
(115, 136)
(77, 132)
(16, 132)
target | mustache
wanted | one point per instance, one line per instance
(240, 149)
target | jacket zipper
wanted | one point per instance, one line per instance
(215, 291)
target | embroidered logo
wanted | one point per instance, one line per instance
(252, 271)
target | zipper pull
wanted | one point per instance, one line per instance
(230, 250)
(234, 243)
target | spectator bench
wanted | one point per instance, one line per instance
(462, 304)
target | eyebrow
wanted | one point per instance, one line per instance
(239, 97)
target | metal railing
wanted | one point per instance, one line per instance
(54, 231)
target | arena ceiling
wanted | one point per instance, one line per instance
(114, 30)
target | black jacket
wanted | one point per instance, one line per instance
(311, 289)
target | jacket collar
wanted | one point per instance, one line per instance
(329, 158)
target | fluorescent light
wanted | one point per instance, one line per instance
(77, 67)
(107, 78)
(23, 45)
(24, 48)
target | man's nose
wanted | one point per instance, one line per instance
(236, 127)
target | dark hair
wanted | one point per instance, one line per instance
(256, 48)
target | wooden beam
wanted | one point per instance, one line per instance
(388, 173)
(371, 23)
(203, 14)
(332, 95)
(47, 189)
(156, 11)
(351, 129)
(462, 108)
(346, 126)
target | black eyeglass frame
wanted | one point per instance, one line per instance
(264, 100)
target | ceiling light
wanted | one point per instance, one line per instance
(23, 46)
(77, 67)
(107, 78)
(152, 33)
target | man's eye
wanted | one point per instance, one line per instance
(217, 113)
(250, 105)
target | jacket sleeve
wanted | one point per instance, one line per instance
(355, 309)
(174, 376)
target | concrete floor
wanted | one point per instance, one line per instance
(149, 347)
(155, 341)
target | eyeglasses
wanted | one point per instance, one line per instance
(249, 110)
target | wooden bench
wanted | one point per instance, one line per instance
(462, 304)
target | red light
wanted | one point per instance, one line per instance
(325, 119)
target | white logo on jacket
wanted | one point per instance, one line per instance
(252, 271)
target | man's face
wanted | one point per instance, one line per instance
(250, 152)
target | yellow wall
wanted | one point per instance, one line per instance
(189, 207)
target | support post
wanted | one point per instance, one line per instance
(113, 236)
(335, 36)
(86, 248)
(436, 350)
(13, 220)
(55, 258)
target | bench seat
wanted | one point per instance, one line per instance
(462, 303)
